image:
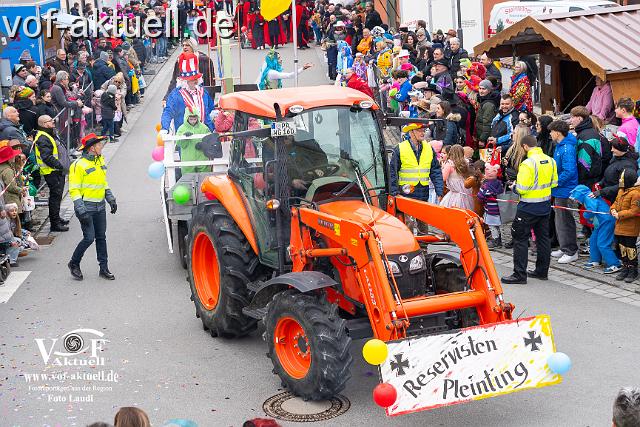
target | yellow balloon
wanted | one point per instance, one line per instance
(375, 351)
(159, 140)
(158, 127)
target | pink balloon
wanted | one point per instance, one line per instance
(158, 154)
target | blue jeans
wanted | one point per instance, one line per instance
(93, 228)
(14, 251)
(161, 46)
(107, 127)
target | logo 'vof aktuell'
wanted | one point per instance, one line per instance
(79, 347)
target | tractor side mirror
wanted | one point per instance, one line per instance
(211, 146)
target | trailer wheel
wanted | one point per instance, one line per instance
(183, 231)
(308, 344)
(220, 264)
(450, 277)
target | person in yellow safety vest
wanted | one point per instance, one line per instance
(414, 165)
(53, 162)
(89, 189)
(537, 175)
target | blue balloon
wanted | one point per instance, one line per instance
(156, 170)
(559, 363)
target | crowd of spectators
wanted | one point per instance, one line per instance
(91, 82)
(480, 113)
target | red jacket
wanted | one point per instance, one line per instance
(357, 83)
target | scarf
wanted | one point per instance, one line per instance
(194, 101)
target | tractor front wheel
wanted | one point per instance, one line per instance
(220, 264)
(308, 344)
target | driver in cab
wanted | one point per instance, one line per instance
(414, 162)
(305, 162)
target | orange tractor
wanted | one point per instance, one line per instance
(302, 234)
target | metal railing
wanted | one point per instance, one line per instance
(69, 121)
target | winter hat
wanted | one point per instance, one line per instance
(485, 84)
(24, 93)
(125, 46)
(620, 142)
(406, 67)
(17, 68)
(465, 62)
(435, 100)
(104, 55)
(628, 178)
(491, 171)
(112, 89)
(441, 62)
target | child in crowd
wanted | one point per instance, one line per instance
(473, 182)
(491, 188)
(625, 210)
(601, 238)
(454, 171)
(108, 110)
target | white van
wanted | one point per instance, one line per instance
(504, 15)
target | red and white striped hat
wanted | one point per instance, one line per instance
(188, 66)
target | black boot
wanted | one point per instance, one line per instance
(75, 271)
(632, 275)
(106, 274)
(624, 272)
(509, 244)
(59, 227)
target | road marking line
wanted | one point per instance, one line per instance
(11, 285)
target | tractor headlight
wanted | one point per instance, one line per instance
(395, 268)
(417, 263)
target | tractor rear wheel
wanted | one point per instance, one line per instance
(308, 344)
(220, 264)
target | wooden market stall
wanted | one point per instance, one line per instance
(573, 48)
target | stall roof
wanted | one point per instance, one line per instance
(605, 41)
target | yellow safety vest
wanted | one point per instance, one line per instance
(537, 175)
(88, 179)
(44, 168)
(411, 171)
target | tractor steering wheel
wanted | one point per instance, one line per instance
(320, 171)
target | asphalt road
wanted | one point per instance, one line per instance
(169, 366)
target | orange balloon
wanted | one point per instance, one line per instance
(158, 127)
(159, 140)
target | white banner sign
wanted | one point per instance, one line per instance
(469, 364)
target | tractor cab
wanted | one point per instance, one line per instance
(327, 154)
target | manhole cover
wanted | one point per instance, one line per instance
(287, 407)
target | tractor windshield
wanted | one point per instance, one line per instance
(338, 142)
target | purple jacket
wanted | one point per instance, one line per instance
(488, 195)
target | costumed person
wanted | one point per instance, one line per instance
(187, 94)
(360, 66)
(345, 58)
(205, 66)
(521, 88)
(89, 189)
(190, 148)
(626, 211)
(601, 240)
(271, 74)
